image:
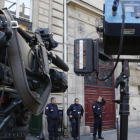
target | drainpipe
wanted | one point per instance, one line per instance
(65, 31)
(65, 60)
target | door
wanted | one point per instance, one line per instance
(35, 126)
(95, 88)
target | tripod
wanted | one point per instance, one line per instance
(15, 121)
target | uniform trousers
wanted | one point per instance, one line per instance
(74, 124)
(97, 126)
(53, 129)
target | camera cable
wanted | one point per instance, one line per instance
(120, 47)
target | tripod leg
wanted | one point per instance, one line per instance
(4, 122)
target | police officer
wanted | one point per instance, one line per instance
(52, 117)
(73, 112)
(98, 111)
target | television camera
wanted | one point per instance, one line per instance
(26, 79)
(121, 36)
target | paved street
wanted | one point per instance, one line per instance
(134, 134)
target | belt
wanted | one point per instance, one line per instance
(53, 118)
(74, 117)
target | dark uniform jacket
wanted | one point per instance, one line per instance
(52, 111)
(74, 109)
(98, 108)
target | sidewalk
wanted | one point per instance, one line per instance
(133, 134)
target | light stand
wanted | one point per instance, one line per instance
(123, 81)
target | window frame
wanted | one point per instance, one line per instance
(17, 15)
(138, 57)
(138, 89)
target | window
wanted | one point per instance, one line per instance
(91, 80)
(22, 9)
(109, 82)
(139, 90)
(138, 58)
(8, 3)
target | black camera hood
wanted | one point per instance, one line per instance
(17, 53)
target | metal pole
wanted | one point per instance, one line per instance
(124, 128)
(124, 101)
(118, 135)
(79, 117)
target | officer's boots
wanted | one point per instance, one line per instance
(100, 137)
(94, 138)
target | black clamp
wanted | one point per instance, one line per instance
(119, 80)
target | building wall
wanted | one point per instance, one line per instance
(1, 3)
(81, 24)
(95, 3)
(50, 14)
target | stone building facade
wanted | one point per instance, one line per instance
(69, 20)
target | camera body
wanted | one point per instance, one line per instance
(47, 38)
(24, 72)
(112, 26)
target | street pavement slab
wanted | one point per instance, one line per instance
(133, 134)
